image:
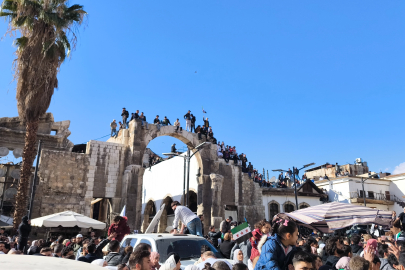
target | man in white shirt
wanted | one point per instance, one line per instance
(188, 218)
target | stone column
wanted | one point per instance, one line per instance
(217, 181)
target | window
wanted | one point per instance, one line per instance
(289, 208)
(145, 241)
(129, 242)
(303, 206)
(274, 210)
(371, 194)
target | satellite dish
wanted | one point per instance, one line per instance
(273, 179)
(10, 193)
(17, 152)
(15, 174)
(4, 151)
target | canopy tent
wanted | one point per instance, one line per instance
(68, 219)
(333, 216)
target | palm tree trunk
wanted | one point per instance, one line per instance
(21, 198)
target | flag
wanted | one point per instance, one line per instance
(241, 233)
(123, 211)
(203, 110)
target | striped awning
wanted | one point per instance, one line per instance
(333, 216)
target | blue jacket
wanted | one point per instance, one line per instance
(273, 257)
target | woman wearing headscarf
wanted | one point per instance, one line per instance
(34, 248)
(343, 263)
(172, 263)
(154, 260)
(371, 245)
(237, 256)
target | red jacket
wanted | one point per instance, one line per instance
(257, 235)
(121, 229)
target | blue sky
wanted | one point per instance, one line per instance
(286, 82)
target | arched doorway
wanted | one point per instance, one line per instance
(192, 201)
(137, 138)
(149, 213)
(274, 209)
(289, 207)
(167, 215)
(303, 205)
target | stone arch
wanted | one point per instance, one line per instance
(138, 138)
(149, 213)
(192, 197)
(303, 205)
(135, 140)
(288, 207)
(168, 211)
(273, 208)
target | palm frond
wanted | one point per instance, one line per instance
(21, 42)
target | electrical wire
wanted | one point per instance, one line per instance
(98, 138)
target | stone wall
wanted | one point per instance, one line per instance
(70, 181)
(113, 170)
(62, 183)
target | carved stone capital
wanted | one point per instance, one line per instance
(216, 181)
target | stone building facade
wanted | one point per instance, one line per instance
(113, 171)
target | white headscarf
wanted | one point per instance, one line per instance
(33, 244)
(235, 256)
(99, 262)
(169, 264)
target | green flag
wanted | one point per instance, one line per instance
(241, 232)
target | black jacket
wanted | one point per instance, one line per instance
(173, 149)
(226, 248)
(187, 116)
(100, 246)
(125, 113)
(89, 258)
(214, 236)
(332, 261)
(114, 259)
(24, 229)
(193, 120)
(166, 122)
(356, 249)
(156, 120)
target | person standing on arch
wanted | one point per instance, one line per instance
(187, 116)
(187, 217)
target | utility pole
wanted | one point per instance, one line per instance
(35, 180)
(364, 193)
(188, 176)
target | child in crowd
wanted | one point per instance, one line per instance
(279, 249)
(262, 228)
(303, 261)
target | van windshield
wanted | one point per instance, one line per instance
(186, 248)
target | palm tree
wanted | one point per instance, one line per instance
(47, 36)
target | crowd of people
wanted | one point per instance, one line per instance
(277, 245)
(204, 132)
(274, 245)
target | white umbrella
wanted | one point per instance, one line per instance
(68, 219)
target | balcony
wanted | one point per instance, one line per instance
(374, 197)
